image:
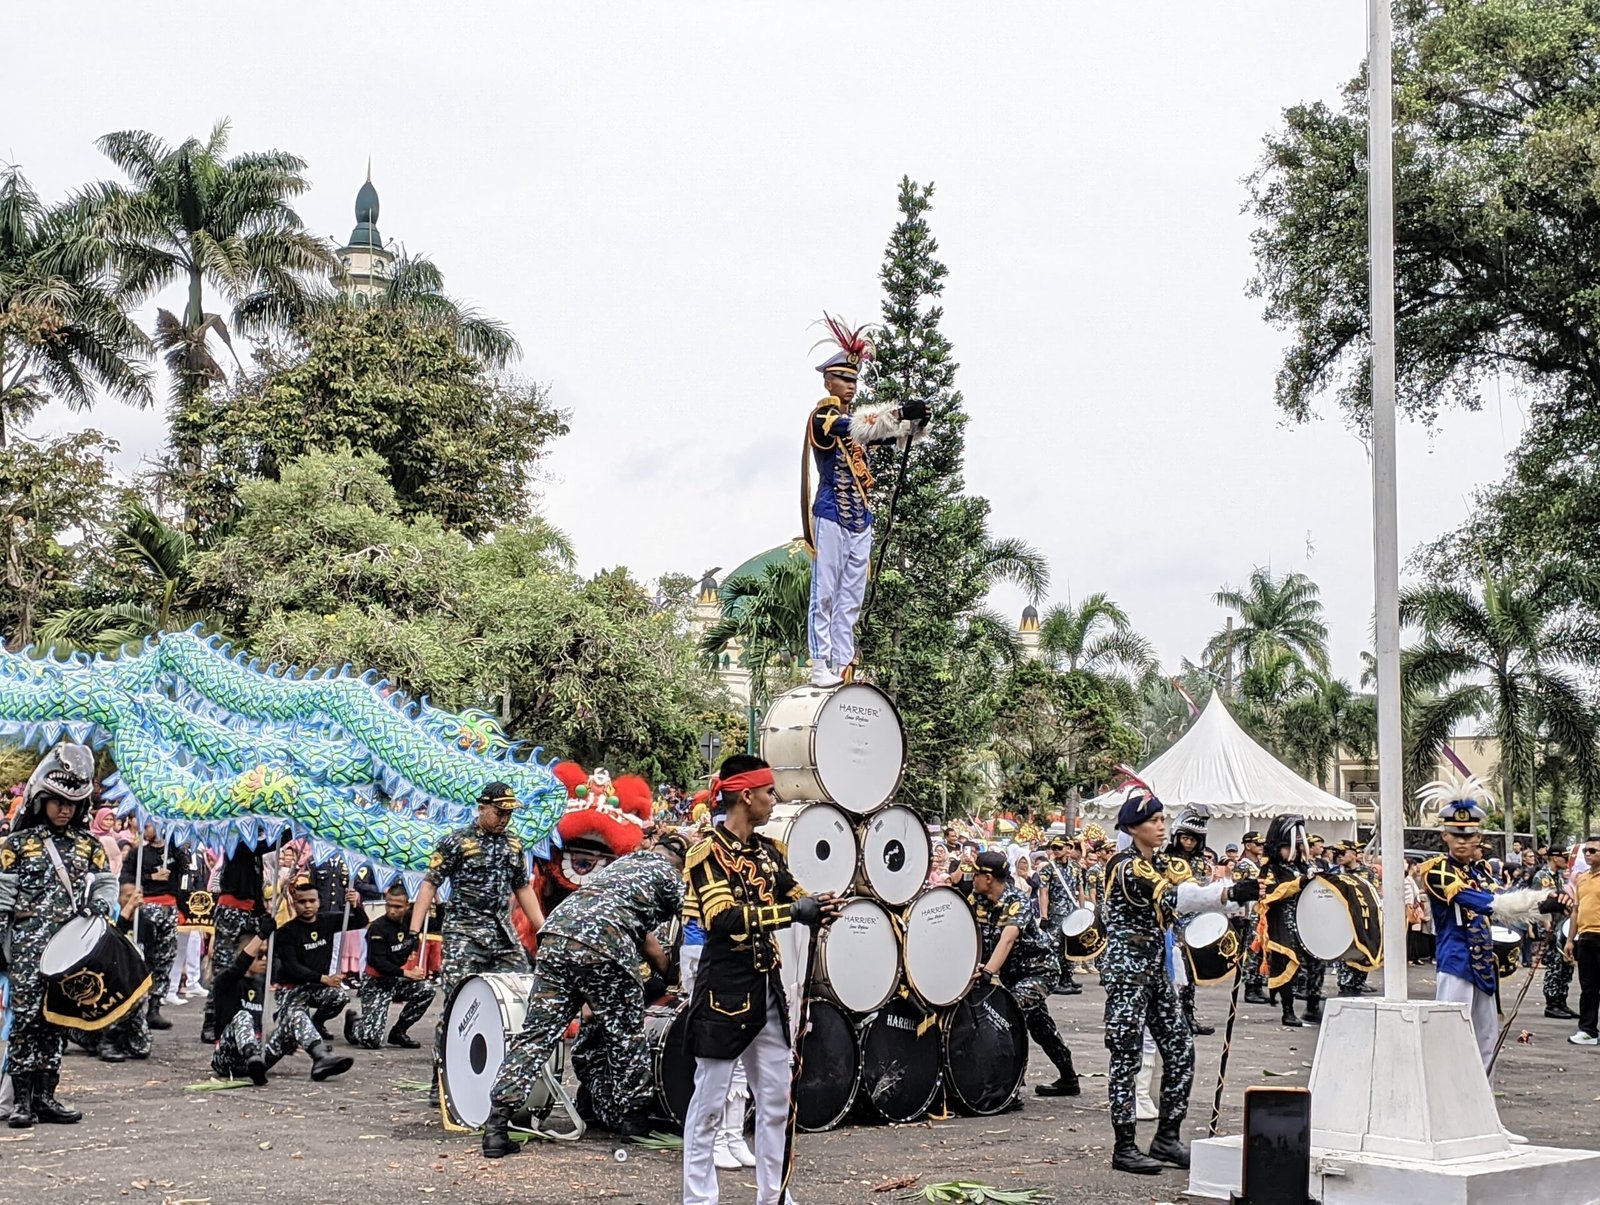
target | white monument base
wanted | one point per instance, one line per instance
(1401, 1111)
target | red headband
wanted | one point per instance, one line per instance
(748, 781)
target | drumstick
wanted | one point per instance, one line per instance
(138, 874)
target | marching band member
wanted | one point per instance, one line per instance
(388, 980)
(1146, 891)
(50, 864)
(1189, 845)
(740, 887)
(838, 521)
(1282, 956)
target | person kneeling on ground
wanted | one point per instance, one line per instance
(388, 980)
(240, 992)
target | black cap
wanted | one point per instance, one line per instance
(500, 795)
(995, 863)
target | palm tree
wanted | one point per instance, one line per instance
(1507, 655)
(161, 558)
(1269, 685)
(62, 330)
(1094, 636)
(767, 617)
(194, 215)
(1275, 613)
(1323, 720)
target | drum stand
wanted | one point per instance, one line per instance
(549, 1097)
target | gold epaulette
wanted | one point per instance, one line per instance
(1179, 871)
(698, 854)
(781, 846)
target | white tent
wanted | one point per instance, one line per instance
(1217, 764)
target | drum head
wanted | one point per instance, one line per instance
(986, 1050)
(895, 854)
(859, 747)
(830, 1068)
(858, 956)
(941, 946)
(1323, 919)
(479, 1019)
(1503, 935)
(72, 943)
(900, 1060)
(1079, 920)
(822, 849)
(1205, 930)
(667, 1031)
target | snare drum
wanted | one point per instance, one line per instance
(93, 975)
(1210, 947)
(1507, 950)
(941, 946)
(858, 957)
(666, 1032)
(830, 1068)
(985, 1050)
(821, 844)
(1083, 939)
(895, 855)
(840, 743)
(480, 1018)
(900, 1063)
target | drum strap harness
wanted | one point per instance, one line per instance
(61, 871)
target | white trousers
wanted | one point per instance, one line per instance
(1480, 1007)
(187, 961)
(738, 1085)
(838, 587)
(766, 1062)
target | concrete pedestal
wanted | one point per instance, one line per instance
(1402, 1112)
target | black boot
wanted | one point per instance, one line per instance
(1313, 1013)
(1199, 1030)
(496, 1142)
(1066, 1080)
(1254, 995)
(256, 1068)
(350, 1029)
(22, 1117)
(153, 1016)
(1286, 997)
(47, 1108)
(1559, 1011)
(399, 1037)
(208, 1026)
(112, 1049)
(1126, 1155)
(325, 1063)
(1168, 1146)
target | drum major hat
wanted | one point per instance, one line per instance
(855, 349)
(1460, 803)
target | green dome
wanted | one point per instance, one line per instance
(366, 232)
(757, 565)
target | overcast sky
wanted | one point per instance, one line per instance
(660, 199)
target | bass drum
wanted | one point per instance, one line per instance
(666, 1032)
(985, 1050)
(93, 975)
(821, 844)
(1210, 947)
(830, 1068)
(900, 1064)
(858, 957)
(480, 1018)
(896, 855)
(843, 744)
(941, 946)
(1082, 937)
(1340, 919)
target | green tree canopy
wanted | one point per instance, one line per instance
(1057, 736)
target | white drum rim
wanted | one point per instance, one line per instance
(841, 880)
(1079, 920)
(457, 1096)
(891, 890)
(1504, 935)
(831, 941)
(1324, 900)
(80, 934)
(1204, 930)
(942, 959)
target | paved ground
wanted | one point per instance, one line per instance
(368, 1138)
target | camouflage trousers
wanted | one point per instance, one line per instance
(1032, 994)
(36, 1044)
(1134, 1003)
(239, 1041)
(1350, 980)
(1557, 979)
(1311, 978)
(230, 924)
(317, 1000)
(478, 949)
(158, 937)
(616, 1064)
(1254, 976)
(377, 994)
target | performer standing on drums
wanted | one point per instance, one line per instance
(50, 842)
(1189, 846)
(486, 869)
(388, 980)
(1017, 953)
(1056, 899)
(1146, 891)
(589, 951)
(741, 889)
(838, 521)
(1462, 892)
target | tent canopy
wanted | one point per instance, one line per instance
(1217, 764)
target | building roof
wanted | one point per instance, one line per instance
(366, 232)
(1217, 764)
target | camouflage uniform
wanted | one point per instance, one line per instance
(1030, 971)
(378, 993)
(1054, 884)
(1557, 970)
(484, 870)
(1139, 907)
(1200, 871)
(34, 904)
(589, 954)
(317, 1000)
(1255, 978)
(240, 1041)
